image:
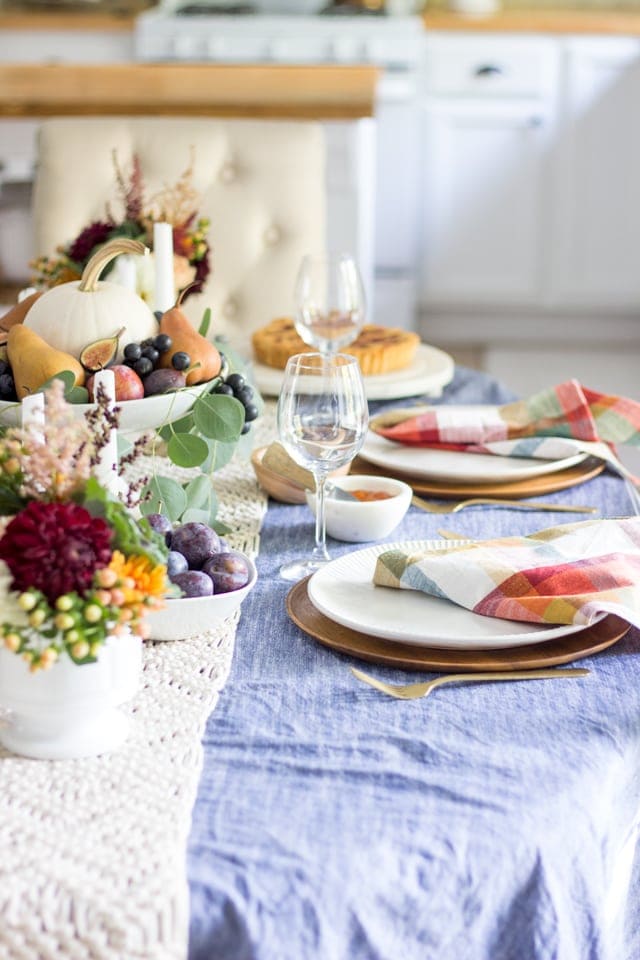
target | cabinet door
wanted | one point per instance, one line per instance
(483, 213)
(596, 260)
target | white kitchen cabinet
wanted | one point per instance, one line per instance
(484, 201)
(596, 186)
(531, 211)
(488, 120)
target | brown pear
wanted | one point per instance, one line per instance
(205, 358)
(33, 361)
(18, 312)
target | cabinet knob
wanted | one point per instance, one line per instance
(489, 70)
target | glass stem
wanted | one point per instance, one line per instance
(320, 551)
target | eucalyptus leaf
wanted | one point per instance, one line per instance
(192, 515)
(199, 491)
(205, 323)
(67, 377)
(77, 395)
(186, 450)
(165, 496)
(219, 455)
(219, 417)
(221, 528)
(182, 425)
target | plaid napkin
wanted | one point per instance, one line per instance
(550, 425)
(564, 574)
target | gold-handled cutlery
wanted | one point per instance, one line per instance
(453, 507)
(413, 691)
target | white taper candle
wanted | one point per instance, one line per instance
(33, 413)
(165, 294)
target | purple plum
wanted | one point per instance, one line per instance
(195, 541)
(228, 571)
(176, 563)
(194, 583)
(162, 525)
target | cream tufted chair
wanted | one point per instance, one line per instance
(261, 183)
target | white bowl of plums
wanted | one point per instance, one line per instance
(212, 578)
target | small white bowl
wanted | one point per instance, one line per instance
(358, 521)
(185, 617)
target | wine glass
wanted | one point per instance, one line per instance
(322, 421)
(329, 301)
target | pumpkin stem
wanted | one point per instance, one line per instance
(103, 256)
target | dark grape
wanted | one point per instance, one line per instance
(132, 351)
(143, 366)
(224, 389)
(7, 386)
(194, 583)
(180, 360)
(244, 395)
(250, 412)
(176, 563)
(236, 381)
(245, 428)
(163, 342)
(147, 342)
(4, 367)
(151, 354)
(229, 571)
(158, 315)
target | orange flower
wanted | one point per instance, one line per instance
(140, 579)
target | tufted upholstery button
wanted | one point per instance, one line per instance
(230, 309)
(272, 235)
(229, 173)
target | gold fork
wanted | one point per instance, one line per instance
(451, 507)
(412, 691)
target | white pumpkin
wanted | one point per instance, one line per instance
(73, 315)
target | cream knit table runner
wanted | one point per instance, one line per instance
(93, 852)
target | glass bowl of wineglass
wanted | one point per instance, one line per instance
(329, 301)
(322, 420)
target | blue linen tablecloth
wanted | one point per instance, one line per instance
(489, 822)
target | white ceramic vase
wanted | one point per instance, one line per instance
(69, 710)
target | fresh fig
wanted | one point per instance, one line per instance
(162, 381)
(99, 354)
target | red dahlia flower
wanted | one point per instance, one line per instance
(55, 547)
(91, 237)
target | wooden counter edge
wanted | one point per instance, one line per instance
(606, 22)
(194, 89)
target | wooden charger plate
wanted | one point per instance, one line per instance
(563, 650)
(531, 487)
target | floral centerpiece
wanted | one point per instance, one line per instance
(76, 567)
(175, 204)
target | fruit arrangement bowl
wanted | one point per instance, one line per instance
(136, 416)
(185, 617)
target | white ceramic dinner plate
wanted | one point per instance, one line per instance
(344, 591)
(457, 466)
(431, 370)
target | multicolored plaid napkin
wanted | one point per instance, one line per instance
(550, 425)
(564, 574)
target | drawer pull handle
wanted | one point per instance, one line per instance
(489, 70)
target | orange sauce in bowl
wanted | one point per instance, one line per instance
(367, 495)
